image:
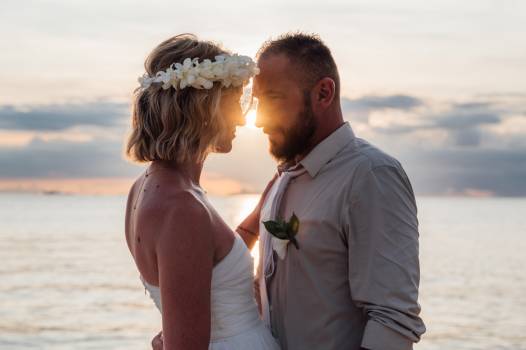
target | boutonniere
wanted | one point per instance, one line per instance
(283, 232)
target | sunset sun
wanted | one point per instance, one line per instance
(251, 119)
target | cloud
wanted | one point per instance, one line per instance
(75, 140)
(467, 138)
(474, 147)
(359, 109)
(60, 158)
(455, 120)
(248, 167)
(450, 171)
(465, 124)
(373, 102)
(56, 117)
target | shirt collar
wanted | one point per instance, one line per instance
(327, 149)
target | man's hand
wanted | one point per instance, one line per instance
(157, 341)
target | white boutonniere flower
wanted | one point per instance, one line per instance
(283, 233)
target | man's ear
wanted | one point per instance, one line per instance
(324, 92)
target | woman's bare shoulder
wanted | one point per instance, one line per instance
(184, 202)
(134, 189)
(184, 213)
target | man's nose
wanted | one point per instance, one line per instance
(261, 118)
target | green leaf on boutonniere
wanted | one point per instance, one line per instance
(276, 228)
(292, 228)
(294, 224)
(284, 230)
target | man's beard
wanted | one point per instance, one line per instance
(297, 139)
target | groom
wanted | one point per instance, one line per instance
(352, 282)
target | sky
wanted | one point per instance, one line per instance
(440, 85)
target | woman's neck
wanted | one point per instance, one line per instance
(188, 172)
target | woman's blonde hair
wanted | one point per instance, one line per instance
(177, 125)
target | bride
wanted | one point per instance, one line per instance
(195, 268)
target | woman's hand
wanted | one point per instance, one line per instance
(157, 341)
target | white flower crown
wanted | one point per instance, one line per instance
(232, 70)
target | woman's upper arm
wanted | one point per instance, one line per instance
(185, 262)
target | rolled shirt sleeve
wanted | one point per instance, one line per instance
(384, 273)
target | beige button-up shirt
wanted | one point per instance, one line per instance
(354, 280)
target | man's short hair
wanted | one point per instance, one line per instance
(312, 57)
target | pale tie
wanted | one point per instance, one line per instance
(266, 239)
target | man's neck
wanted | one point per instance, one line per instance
(327, 124)
(316, 140)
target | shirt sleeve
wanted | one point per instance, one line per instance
(384, 272)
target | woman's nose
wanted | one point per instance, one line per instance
(240, 119)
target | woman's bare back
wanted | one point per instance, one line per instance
(157, 199)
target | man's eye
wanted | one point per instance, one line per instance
(273, 98)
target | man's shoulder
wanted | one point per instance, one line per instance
(363, 156)
(357, 162)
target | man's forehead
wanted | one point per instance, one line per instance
(274, 62)
(275, 70)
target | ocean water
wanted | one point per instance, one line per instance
(67, 280)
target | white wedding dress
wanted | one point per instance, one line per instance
(235, 321)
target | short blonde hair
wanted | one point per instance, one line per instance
(177, 125)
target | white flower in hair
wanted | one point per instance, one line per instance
(232, 70)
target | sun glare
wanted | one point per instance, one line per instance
(251, 120)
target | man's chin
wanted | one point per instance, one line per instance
(276, 141)
(284, 153)
(274, 148)
(277, 153)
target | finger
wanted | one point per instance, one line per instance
(157, 342)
